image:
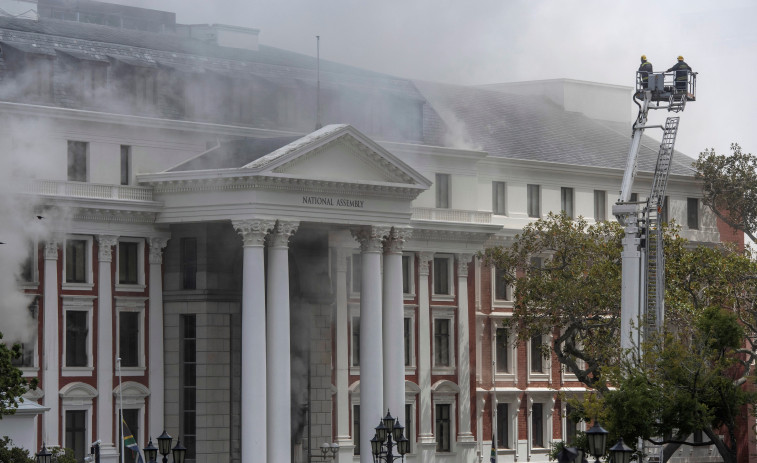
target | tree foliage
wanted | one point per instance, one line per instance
(11, 454)
(729, 184)
(12, 383)
(691, 380)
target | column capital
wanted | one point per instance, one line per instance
(253, 231)
(395, 240)
(462, 264)
(281, 233)
(51, 250)
(157, 243)
(370, 237)
(423, 262)
(105, 245)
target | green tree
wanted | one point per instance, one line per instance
(11, 454)
(729, 185)
(566, 275)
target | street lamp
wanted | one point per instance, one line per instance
(620, 452)
(596, 437)
(389, 435)
(329, 451)
(151, 452)
(164, 447)
(44, 456)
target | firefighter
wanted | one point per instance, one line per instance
(644, 70)
(682, 74)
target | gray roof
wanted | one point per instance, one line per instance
(534, 128)
(234, 154)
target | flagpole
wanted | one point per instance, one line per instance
(120, 409)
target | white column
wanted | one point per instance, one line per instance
(426, 436)
(278, 355)
(254, 396)
(393, 324)
(106, 417)
(155, 326)
(371, 354)
(51, 359)
(465, 437)
(341, 325)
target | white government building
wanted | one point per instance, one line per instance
(269, 286)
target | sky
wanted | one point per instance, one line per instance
(487, 41)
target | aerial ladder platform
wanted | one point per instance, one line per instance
(643, 259)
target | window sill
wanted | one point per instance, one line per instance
(77, 286)
(29, 371)
(443, 370)
(133, 371)
(77, 371)
(504, 377)
(409, 369)
(442, 297)
(538, 376)
(502, 304)
(29, 285)
(408, 296)
(354, 371)
(130, 288)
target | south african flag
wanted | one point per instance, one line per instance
(131, 443)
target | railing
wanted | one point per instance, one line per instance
(89, 190)
(451, 215)
(664, 84)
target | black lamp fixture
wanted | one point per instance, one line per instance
(389, 435)
(620, 452)
(596, 437)
(44, 456)
(151, 452)
(179, 452)
(329, 450)
(164, 447)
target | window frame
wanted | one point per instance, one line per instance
(126, 164)
(354, 324)
(544, 374)
(33, 261)
(443, 313)
(496, 301)
(132, 305)
(78, 396)
(512, 349)
(443, 188)
(600, 205)
(139, 286)
(692, 214)
(568, 201)
(547, 401)
(450, 295)
(185, 263)
(355, 274)
(72, 159)
(409, 314)
(533, 195)
(408, 273)
(86, 431)
(445, 393)
(88, 272)
(499, 198)
(512, 399)
(79, 304)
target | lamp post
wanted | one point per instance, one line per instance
(620, 452)
(388, 436)
(596, 437)
(44, 456)
(328, 451)
(164, 447)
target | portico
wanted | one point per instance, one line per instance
(335, 188)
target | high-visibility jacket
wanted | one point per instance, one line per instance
(682, 71)
(645, 69)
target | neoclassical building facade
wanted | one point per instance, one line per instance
(218, 262)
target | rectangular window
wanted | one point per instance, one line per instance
(501, 289)
(188, 375)
(125, 164)
(442, 191)
(501, 351)
(664, 213)
(537, 361)
(571, 427)
(441, 275)
(566, 201)
(188, 263)
(357, 272)
(443, 431)
(128, 258)
(408, 328)
(498, 198)
(77, 161)
(634, 197)
(27, 356)
(441, 342)
(77, 330)
(76, 261)
(28, 266)
(537, 425)
(407, 274)
(534, 201)
(356, 428)
(409, 427)
(692, 213)
(128, 338)
(76, 430)
(355, 341)
(502, 426)
(600, 205)
(131, 416)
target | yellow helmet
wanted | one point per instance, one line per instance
(680, 58)
(644, 57)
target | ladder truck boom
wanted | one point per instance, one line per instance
(642, 278)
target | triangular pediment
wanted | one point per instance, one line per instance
(338, 153)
